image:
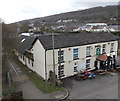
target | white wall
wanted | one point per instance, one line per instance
(68, 57)
(28, 63)
(39, 58)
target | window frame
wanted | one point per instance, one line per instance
(112, 47)
(88, 51)
(32, 63)
(87, 64)
(28, 60)
(61, 72)
(23, 57)
(103, 48)
(61, 55)
(75, 53)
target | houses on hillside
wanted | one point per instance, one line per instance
(114, 28)
(98, 27)
(72, 53)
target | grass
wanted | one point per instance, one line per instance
(40, 83)
(36, 79)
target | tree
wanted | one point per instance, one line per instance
(7, 38)
(25, 26)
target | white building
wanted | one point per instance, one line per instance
(96, 24)
(95, 27)
(114, 28)
(26, 34)
(72, 53)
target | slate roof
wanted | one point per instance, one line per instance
(25, 45)
(75, 39)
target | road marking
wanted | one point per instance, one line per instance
(14, 69)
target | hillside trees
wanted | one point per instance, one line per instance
(7, 32)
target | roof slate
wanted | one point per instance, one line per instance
(74, 39)
(25, 45)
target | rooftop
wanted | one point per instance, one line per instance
(75, 39)
(24, 43)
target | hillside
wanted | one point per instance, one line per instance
(108, 14)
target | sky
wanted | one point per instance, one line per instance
(17, 10)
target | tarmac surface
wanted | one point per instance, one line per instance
(101, 87)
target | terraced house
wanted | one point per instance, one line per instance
(72, 53)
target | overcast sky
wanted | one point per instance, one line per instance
(16, 10)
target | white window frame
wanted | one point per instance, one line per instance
(104, 48)
(112, 47)
(62, 56)
(75, 53)
(28, 60)
(88, 51)
(87, 63)
(75, 67)
(61, 71)
(32, 63)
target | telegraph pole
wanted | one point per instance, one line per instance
(60, 62)
(53, 57)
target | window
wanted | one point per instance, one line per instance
(104, 49)
(112, 47)
(28, 60)
(75, 53)
(88, 64)
(75, 67)
(32, 63)
(88, 51)
(60, 56)
(23, 58)
(61, 71)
